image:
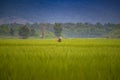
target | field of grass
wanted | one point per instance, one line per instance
(72, 59)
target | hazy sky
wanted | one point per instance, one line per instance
(62, 10)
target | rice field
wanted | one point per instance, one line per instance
(72, 59)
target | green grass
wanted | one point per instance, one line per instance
(73, 59)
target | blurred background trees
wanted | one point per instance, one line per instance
(58, 29)
(24, 31)
(68, 30)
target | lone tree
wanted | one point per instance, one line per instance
(24, 31)
(58, 29)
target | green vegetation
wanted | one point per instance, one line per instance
(72, 59)
(58, 29)
(24, 32)
(67, 30)
(113, 34)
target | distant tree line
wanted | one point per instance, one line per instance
(67, 30)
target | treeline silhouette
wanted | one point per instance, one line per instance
(68, 30)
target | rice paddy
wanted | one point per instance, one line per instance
(71, 59)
